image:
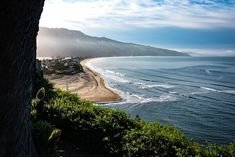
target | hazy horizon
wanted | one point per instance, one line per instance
(204, 27)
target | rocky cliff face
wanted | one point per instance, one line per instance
(18, 31)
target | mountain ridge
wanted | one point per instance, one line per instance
(64, 42)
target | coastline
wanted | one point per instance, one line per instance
(88, 85)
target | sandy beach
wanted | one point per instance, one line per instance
(88, 85)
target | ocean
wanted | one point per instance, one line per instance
(194, 94)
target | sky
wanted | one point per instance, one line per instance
(195, 26)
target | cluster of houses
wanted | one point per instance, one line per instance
(59, 65)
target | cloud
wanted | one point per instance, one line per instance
(127, 14)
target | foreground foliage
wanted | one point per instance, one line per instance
(113, 133)
(42, 135)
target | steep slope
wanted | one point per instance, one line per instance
(63, 42)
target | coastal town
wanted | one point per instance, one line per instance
(62, 66)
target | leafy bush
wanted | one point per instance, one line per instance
(45, 138)
(215, 150)
(40, 82)
(153, 140)
(96, 128)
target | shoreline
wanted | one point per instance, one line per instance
(88, 85)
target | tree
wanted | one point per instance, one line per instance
(19, 21)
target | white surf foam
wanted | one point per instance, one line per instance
(220, 91)
(144, 85)
(209, 89)
(115, 73)
(229, 92)
(115, 78)
(158, 85)
(162, 98)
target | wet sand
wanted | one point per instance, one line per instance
(88, 85)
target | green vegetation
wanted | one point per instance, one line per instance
(111, 132)
(42, 135)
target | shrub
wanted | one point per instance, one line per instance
(217, 151)
(96, 128)
(39, 83)
(42, 135)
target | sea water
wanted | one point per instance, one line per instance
(194, 94)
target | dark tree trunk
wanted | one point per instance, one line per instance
(19, 21)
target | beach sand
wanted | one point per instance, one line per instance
(88, 85)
